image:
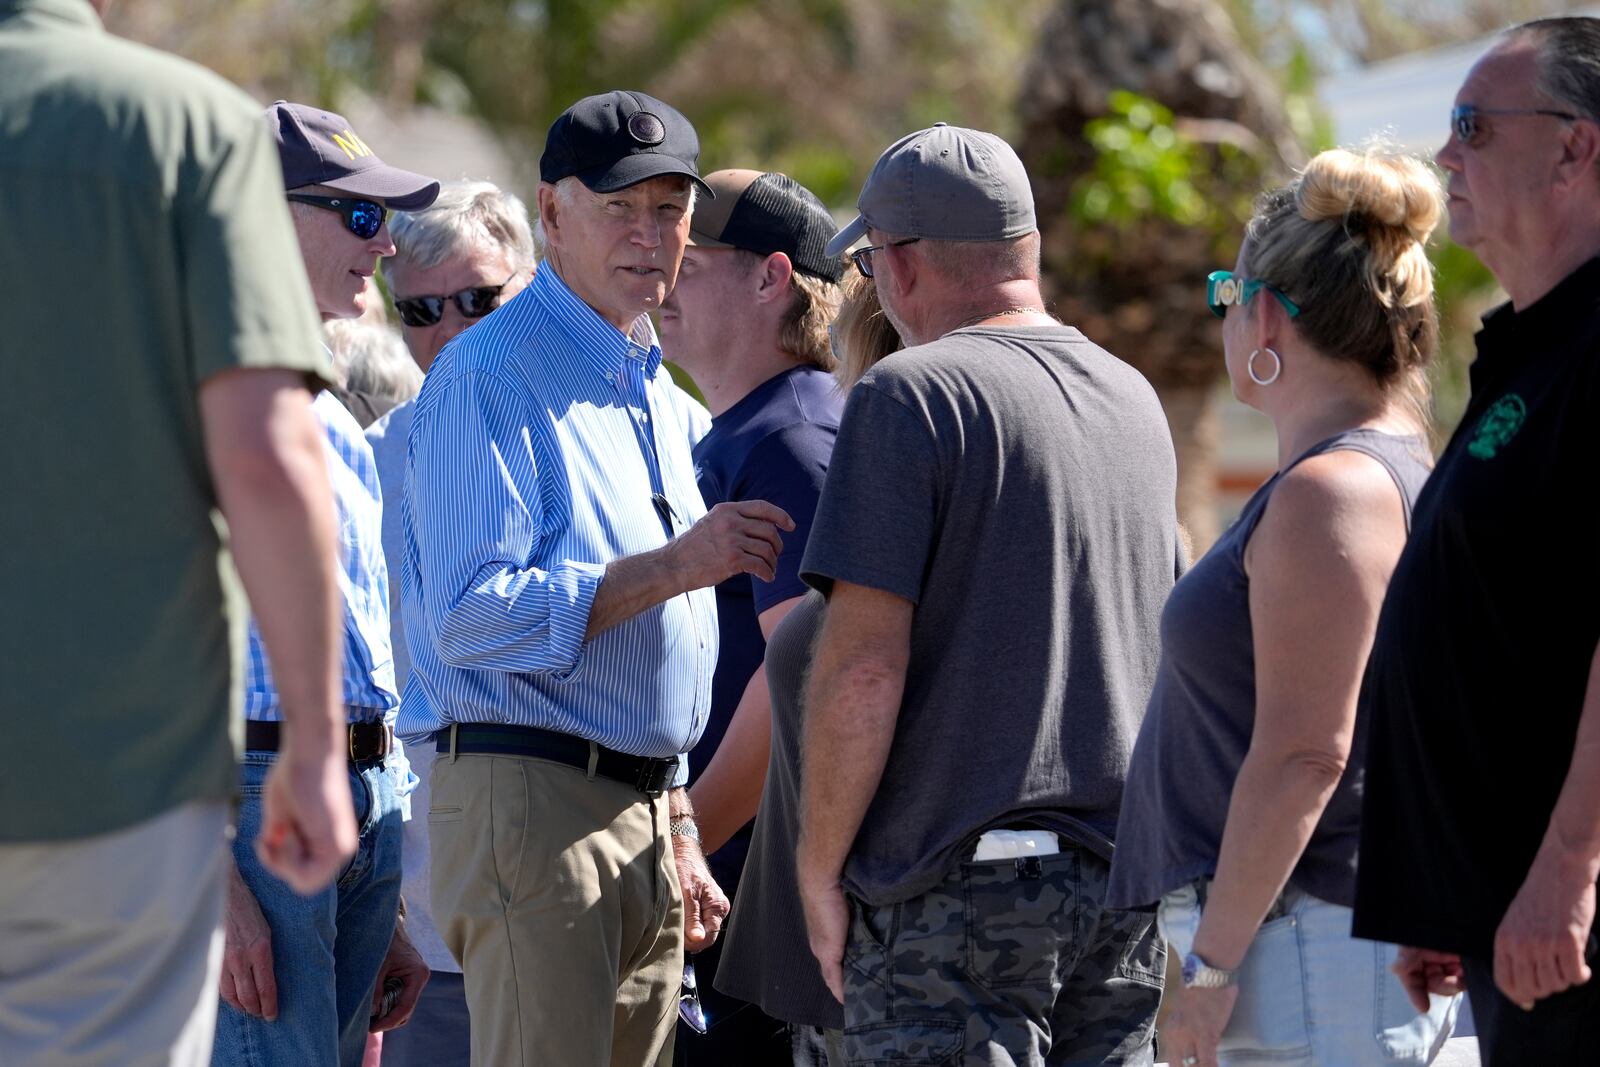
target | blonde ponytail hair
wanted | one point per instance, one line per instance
(1345, 240)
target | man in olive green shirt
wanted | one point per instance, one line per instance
(160, 339)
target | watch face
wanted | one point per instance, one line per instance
(1191, 968)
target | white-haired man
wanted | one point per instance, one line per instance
(557, 570)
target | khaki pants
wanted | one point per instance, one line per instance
(559, 897)
(110, 946)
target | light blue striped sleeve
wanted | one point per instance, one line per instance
(491, 598)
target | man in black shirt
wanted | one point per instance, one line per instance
(1481, 831)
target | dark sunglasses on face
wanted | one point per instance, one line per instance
(473, 303)
(1222, 289)
(364, 218)
(1469, 130)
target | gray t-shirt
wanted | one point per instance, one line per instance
(766, 957)
(1017, 485)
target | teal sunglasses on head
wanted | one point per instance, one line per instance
(1222, 289)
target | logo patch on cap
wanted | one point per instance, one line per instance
(646, 128)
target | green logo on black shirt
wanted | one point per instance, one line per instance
(1498, 426)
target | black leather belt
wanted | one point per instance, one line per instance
(649, 775)
(364, 741)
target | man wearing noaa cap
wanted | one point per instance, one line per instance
(299, 973)
(558, 604)
(995, 538)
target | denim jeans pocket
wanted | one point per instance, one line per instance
(1402, 1034)
(1022, 919)
(1269, 1018)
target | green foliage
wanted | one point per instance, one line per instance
(1146, 168)
(1463, 289)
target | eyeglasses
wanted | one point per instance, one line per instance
(364, 218)
(690, 1009)
(862, 257)
(1222, 289)
(473, 303)
(1465, 124)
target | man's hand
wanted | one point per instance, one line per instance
(247, 983)
(736, 537)
(308, 824)
(705, 906)
(1539, 947)
(1195, 1025)
(402, 962)
(827, 927)
(1422, 971)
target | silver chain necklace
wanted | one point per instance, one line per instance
(1023, 310)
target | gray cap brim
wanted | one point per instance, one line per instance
(847, 237)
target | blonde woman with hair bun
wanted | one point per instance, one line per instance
(1240, 817)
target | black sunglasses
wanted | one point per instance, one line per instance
(862, 257)
(1469, 131)
(473, 303)
(364, 218)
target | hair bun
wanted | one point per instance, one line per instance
(1377, 184)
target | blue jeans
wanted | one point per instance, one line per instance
(326, 948)
(1312, 995)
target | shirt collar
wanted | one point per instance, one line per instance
(600, 344)
(1510, 334)
(76, 12)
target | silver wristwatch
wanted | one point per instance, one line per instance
(1198, 974)
(684, 826)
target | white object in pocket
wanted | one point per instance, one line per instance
(1009, 844)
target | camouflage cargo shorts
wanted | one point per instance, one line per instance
(1012, 963)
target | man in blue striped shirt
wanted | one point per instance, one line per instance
(299, 972)
(558, 607)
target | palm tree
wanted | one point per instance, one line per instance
(1132, 281)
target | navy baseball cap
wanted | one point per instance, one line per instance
(618, 139)
(317, 147)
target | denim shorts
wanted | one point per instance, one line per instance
(1311, 994)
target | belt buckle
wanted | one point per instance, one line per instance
(385, 746)
(654, 775)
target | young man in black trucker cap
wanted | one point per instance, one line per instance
(749, 321)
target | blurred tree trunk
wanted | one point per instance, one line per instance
(1136, 288)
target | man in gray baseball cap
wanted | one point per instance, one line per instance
(1001, 483)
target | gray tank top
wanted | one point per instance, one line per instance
(1202, 712)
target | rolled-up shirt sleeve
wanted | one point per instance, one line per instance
(491, 599)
